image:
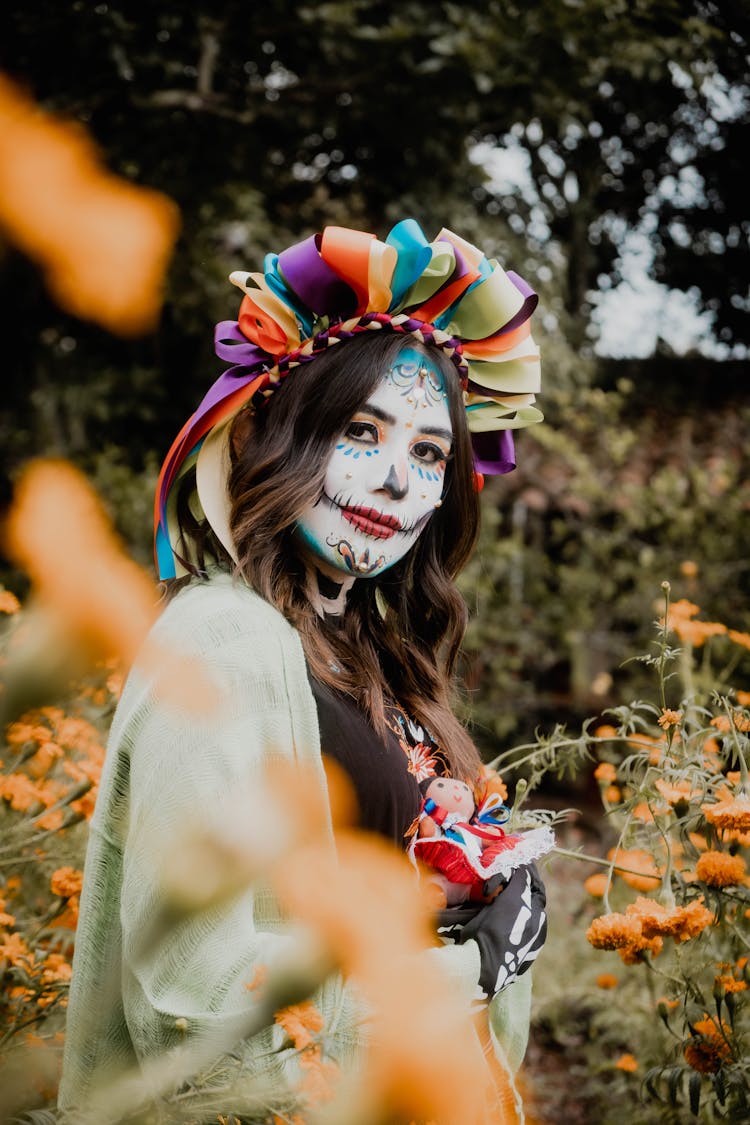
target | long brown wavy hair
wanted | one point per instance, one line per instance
(400, 634)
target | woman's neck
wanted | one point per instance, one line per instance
(327, 589)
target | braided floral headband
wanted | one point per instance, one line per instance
(328, 289)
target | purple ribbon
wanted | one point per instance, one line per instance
(494, 452)
(530, 302)
(313, 280)
(231, 345)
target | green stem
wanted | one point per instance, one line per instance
(739, 935)
(536, 749)
(663, 646)
(664, 976)
(600, 862)
(744, 779)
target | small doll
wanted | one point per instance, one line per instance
(464, 846)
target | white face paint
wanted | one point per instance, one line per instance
(386, 473)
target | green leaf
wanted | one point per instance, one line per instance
(720, 1086)
(694, 1090)
(674, 1084)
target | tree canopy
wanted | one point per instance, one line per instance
(264, 122)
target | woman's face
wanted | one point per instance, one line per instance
(386, 474)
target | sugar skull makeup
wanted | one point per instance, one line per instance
(386, 473)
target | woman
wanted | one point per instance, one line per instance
(311, 519)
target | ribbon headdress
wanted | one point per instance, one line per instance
(326, 290)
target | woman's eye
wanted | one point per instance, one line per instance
(362, 431)
(428, 451)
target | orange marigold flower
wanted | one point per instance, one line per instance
(654, 746)
(689, 569)
(258, 979)
(9, 603)
(596, 885)
(21, 732)
(55, 968)
(741, 721)
(612, 794)
(696, 633)
(708, 1049)
(702, 1056)
(46, 756)
(678, 922)
(640, 872)
(605, 731)
(20, 792)
(742, 639)
(743, 698)
(605, 772)
(318, 1085)
(717, 869)
(694, 918)
(669, 718)
(731, 984)
(16, 951)
(712, 755)
(66, 882)
(675, 791)
(490, 782)
(92, 227)
(301, 1022)
(51, 821)
(607, 980)
(721, 722)
(733, 814)
(681, 610)
(628, 1063)
(634, 953)
(68, 919)
(613, 931)
(115, 682)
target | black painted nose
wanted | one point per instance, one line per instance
(392, 485)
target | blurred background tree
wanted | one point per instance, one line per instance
(564, 137)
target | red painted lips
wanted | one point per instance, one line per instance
(372, 522)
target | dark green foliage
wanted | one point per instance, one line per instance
(607, 502)
(264, 121)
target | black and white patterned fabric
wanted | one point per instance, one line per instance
(510, 931)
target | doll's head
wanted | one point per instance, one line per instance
(452, 795)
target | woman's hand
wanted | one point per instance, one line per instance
(510, 931)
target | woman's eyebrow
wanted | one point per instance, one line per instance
(437, 431)
(389, 419)
(379, 413)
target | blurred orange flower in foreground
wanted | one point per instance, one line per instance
(8, 602)
(424, 1060)
(59, 534)
(102, 242)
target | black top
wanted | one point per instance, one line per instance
(384, 772)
